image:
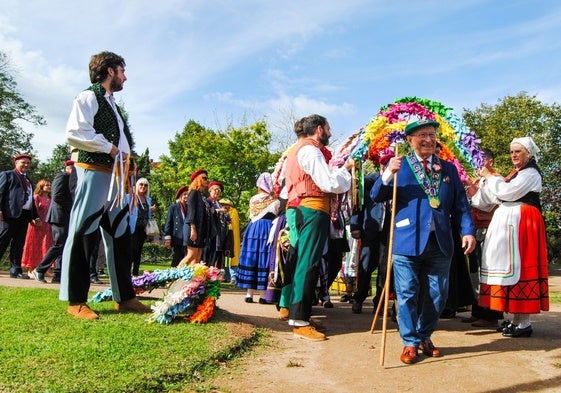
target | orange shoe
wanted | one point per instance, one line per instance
(283, 314)
(308, 332)
(409, 355)
(82, 311)
(132, 305)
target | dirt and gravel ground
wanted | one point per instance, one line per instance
(474, 359)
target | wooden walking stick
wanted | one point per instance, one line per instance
(389, 268)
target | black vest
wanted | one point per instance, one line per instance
(105, 122)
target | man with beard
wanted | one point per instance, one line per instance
(311, 181)
(97, 130)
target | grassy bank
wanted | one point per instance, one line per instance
(45, 350)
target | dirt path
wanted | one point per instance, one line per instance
(474, 360)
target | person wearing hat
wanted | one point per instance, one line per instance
(514, 265)
(196, 228)
(429, 196)
(214, 250)
(99, 133)
(58, 216)
(173, 228)
(17, 211)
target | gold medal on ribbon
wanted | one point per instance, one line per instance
(434, 203)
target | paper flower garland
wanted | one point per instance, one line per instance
(191, 288)
(460, 145)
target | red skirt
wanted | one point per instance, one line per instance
(530, 294)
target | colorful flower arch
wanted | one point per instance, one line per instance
(459, 145)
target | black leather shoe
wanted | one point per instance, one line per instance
(504, 324)
(40, 277)
(263, 301)
(95, 280)
(357, 308)
(21, 276)
(249, 300)
(517, 332)
(345, 298)
(55, 280)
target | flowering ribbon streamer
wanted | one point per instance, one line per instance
(195, 285)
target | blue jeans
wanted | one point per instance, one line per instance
(426, 273)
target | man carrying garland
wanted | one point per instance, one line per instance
(97, 129)
(429, 194)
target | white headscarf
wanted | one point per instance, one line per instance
(529, 145)
(265, 182)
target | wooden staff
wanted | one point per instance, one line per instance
(386, 291)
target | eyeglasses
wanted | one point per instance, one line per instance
(431, 136)
(143, 184)
(204, 178)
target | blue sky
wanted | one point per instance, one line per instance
(228, 62)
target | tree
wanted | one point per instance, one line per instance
(524, 115)
(234, 157)
(13, 110)
(53, 165)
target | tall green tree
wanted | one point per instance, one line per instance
(53, 165)
(13, 111)
(234, 157)
(525, 115)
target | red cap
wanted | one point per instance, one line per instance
(217, 184)
(197, 173)
(68, 163)
(180, 191)
(21, 156)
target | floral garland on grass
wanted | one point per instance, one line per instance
(460, 145)
(199, 288)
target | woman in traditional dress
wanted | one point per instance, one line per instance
(514, 275)
(253, 270)
(39, 238)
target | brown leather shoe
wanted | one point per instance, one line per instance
(283, 314)
(132, 305)
(308, 332)
(409, 355)
(428, 348)
(82, 311)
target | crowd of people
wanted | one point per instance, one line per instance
(301, 227)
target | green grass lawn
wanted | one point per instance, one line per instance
(46, 350)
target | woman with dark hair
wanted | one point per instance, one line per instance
(197, 222)
(514, 275)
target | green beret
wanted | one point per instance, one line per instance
(411, 127)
